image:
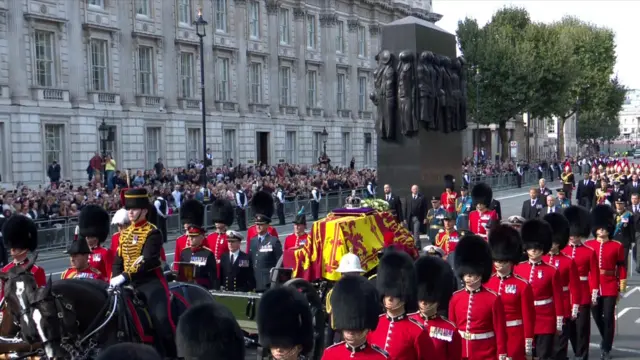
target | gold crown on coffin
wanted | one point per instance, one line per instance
(353, 202)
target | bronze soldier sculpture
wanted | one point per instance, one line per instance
(406, 93)
(462, 70)
(456, 94)
(426, 75)
(448, 106)
(384, 95)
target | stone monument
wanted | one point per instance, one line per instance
(418, 97)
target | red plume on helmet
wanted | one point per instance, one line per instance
(122, 192)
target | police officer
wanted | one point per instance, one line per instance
(236, 270)
(316, 196)
(241, 208)
(161, 208)
(197, 262)
(94, 228)
(435, 217)
(80, 268)
(280, 204)
(266, 249)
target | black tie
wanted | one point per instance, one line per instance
(388, 197)
(635, 208)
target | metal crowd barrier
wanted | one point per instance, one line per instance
(510, 180)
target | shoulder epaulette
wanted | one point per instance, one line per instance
(516, 276)
(206, 248)
(336, 344)
(64, 274)
(491, 291)
(95, 271)
(449, 321)
(416, 322)
(374, 276)
(414, 313)
(457, 291)
(153, 227)
(522, 262)
(380, 350)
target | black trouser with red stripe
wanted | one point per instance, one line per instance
(604, 313)
(580, 332)
(156, 294)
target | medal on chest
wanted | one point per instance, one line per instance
(557, 263)
(135, 239)
(510, 289)
(539, 274)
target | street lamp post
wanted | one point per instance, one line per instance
(201, 31)
(325, 136)
(477, 79)
(103, 130)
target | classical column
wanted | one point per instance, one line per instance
(17, 66)
(209, 61)
(274, 90)
(77, 77)
(327, 24)
(243, 68)
(374, 31)
(171, 87)
(301, 46)
(353, 26)
(127, 54)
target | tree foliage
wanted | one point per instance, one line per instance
(602, 123)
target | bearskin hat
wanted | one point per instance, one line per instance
(560, 227)
(284, 319)
(473, 256)
(94, 222)
(449, 182)
(579, 221)
(192, 213)
(603, 217)
(505, 243)
(436, 280)
(397, 277)
(20, 232)
(536, 234)
(262, 203)
(222, 212)
(482, 194)
(355, 304)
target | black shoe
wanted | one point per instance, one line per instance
(605, 356)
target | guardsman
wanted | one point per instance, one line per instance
(299, 237)
(587, 264)
(355, 310)
(515, 292)
(398, 333)
(447, 238)
(188, 210)
(266, 249)
(625, 232)
(604, 193)
(285, 323)
(79, 253)
(260, 198)
(121, 220)
(449, 196)
(436, 284)
(198, 263)
(481, 219)
(613, 274)
(241, 208)
(463, 208)
(546, 285)
(569, 278)
(568, 180)
(222, 216)
(475, 310)
(236, 272)
(94, 227)
(563, 201)
(435, 217)
(138, 262)
(20, 236)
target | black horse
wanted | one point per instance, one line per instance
(75, 318)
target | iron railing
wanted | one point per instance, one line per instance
(509, 180)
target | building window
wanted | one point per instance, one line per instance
(254, 20)
(153, 146)
(44, 53)
(316, 145)
(221, 15)
(362, 93)
(99, 65)
(368, 150)
(97, 3)
(145, 70)
(255, 80)
(284, 26)
(186, 75)
(53, 144)
(184, 12)
(228, 145)
(193, 144)
(285, 85)
(110, 145)
(340, 37)
(311, 31)
(346, 148)
(312, 88)
(143, 7)
(223, 79)
(341, 92)
(290, 147)
(362, 41)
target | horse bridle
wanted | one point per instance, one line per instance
(68, 324)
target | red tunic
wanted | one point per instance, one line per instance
(342, 351)
(547, 295)
(519, 312)
(587, 264)
(101, 259)
(570, 280)
(219, 245)
(38, 273)
(479, 317)
(88, 273)
(448, 201)
(182, 242)
(402, 337)
(611, 265)
(294, 241)
(478, 223)
(447, 341)
(115, 241)
(253, 232)
(447, 244)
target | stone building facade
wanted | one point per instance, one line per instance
(277, 72)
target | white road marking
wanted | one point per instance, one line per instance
(632, 351)
(626, 310)
(631, 291)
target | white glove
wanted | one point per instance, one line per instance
(594, 297)
(559, 323)
(528, 347)
(574, 311)
(117, 281)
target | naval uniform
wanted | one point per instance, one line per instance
(236, 275)
(344, 351)
(403, 337)
(447, 341)
(265, 252)
(198, 265)
(87, 273)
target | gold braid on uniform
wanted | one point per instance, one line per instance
(328, 307)
(130, 250)
(443, 240)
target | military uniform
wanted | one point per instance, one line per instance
(295, 240)
(266, 249)
(447, 240)
(463, 208)
(76, 248)
(625, 231)
(94, 221)
(222, 213)
(236, 276)
(191, 211)
(562, 200)
(479, 223)
(449, 196)
(197, 263)
(435, 218)
(568, 181)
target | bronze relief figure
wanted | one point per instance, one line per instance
(384, 95)
(462, 112)
(407, 93)
(426, 75)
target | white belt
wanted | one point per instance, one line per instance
(565, 288)
(584, 278)
(543, 302)
(514, 323)
(470, 336)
